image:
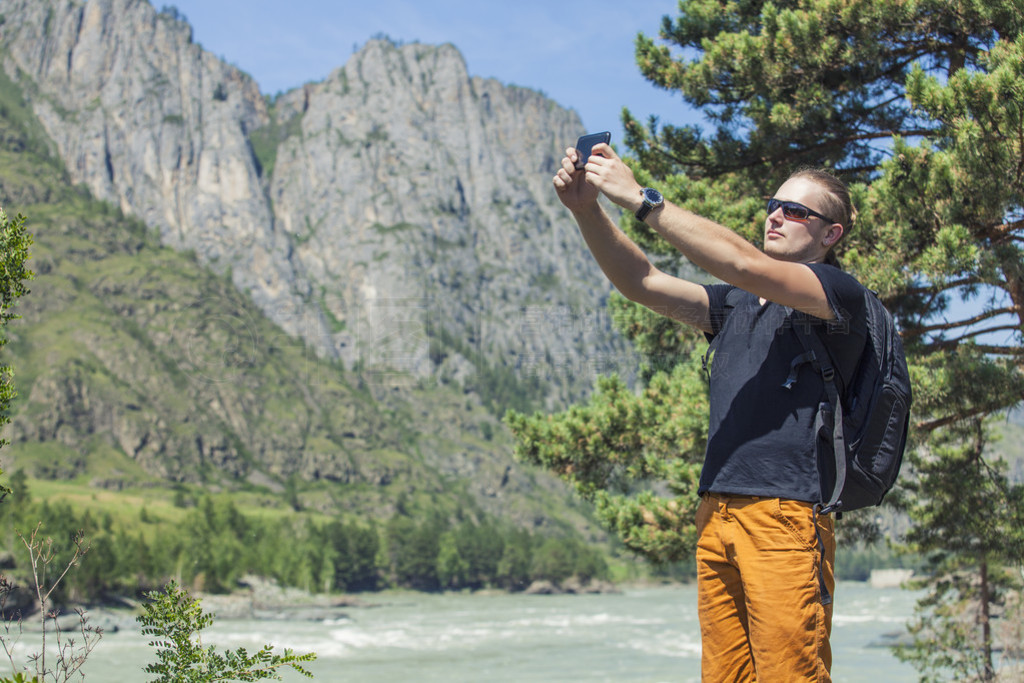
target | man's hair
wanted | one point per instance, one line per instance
(836, 203)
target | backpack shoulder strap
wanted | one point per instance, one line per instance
(732, 299)
(818, 356)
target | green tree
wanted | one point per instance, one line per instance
(15, 242)
(513, 569)
(413, 548)
(363, 547)
(971, 529)
(174, 620)
(919, 106)
(213, 553)
(472, 552)
(623, 443)
(355, 556)
(452, 568)
(553, 560)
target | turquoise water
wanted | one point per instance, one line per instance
(644, 635)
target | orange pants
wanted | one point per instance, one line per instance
(759, 590)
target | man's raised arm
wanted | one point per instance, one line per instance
(622, 261)
(713, 247)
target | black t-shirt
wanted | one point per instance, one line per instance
(761, 439)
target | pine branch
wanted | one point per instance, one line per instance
(931, 425)
(987, 315)
(1003, 231)
(952, 284)
(953, 343)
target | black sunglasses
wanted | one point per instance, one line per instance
(794, 211)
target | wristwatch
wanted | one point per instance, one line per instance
(652, 200)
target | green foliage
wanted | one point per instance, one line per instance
(809, 82)
(212, 545)
(355, 563)
(15, 241)
(970, 527)
(20, 677)
(620, 441)
(413, 549)
(558, 559)
(432, 554)
(661, 341)
(855, 561)
(174, 620)
(513, 571)
(468, 555)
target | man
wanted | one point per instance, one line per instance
(764, 554)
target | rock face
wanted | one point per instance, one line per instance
(398, 215)
(432, 216)
(149, 121)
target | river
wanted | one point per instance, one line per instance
(642, 635)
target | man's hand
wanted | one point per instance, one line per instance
(609, 174)
(571, 185)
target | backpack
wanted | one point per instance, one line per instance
(868, 422)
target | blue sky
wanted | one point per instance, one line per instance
(579, 53)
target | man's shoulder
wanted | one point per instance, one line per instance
(723, 295)
(832, 274)
(844, 291)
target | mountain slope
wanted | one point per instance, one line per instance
(137, 367)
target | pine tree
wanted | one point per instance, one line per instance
(971, 528)
(15, 242)
(919, 106)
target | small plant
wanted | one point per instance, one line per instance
(70, 655)
(20, 678)
(174, 619)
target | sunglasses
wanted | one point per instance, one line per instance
(795, 211)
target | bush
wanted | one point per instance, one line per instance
(174, 619)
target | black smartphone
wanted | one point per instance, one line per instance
(586, 143)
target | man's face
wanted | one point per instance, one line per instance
(799, 240)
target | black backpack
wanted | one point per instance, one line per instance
(869, 421)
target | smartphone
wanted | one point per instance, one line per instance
(586, 143)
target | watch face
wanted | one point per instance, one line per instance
(652, 196)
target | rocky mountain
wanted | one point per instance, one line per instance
(143, 372)
(396, 216)
(333, 292)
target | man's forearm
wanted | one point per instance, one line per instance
(618, 256)
(708, 245)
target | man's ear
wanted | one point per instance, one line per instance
(832, 235)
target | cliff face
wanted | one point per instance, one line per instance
(397, 216)
(417, 194)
